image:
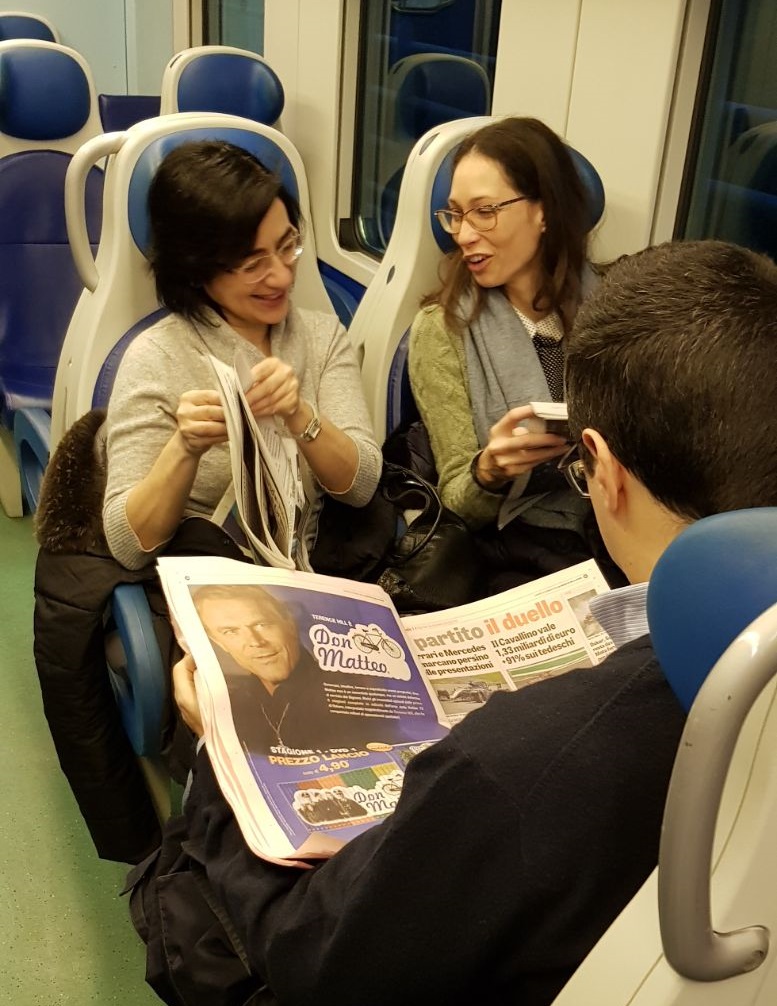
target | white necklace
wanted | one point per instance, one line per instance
(276, 728)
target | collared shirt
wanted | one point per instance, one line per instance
(622, 613)
(550, 326)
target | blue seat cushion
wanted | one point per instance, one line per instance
(104, 384)
(233, 84)
(39, 285)
(712, 581)
(14, 26)
(268, 152)
(45, 94)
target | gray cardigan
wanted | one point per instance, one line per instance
(170, 358)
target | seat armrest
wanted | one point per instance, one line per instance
(138, 676)
(32, 438)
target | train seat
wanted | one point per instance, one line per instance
(701, 930)
(427, 89)
(119, 289)
(120, 111)
(744, 199)
(221, 78)
(410, 267)
(48, 107)
(19, 24)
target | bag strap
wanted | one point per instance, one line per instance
(400, 486)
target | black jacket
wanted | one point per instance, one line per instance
(72, 594)
(517, 839)
(74, 579)
(516, 842)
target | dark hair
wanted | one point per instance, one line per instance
(205, 204)
(672, 359)
(538, 165)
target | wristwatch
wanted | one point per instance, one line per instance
(313, 428)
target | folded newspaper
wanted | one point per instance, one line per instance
(265, 469)
(315, 695)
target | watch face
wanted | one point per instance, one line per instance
(311, 431)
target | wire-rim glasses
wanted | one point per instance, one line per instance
(482, 218)
(571, 464)
(256, 269)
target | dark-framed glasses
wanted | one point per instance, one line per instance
(571, 464)
(482, 218)
(254, 270)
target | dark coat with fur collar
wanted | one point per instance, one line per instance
(74, 578)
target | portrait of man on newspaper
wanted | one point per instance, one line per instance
(276, 689)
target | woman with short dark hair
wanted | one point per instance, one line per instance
(491, 340)
(226, 237)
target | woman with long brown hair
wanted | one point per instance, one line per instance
(491, 340)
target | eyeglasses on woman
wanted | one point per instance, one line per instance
(482, 218)
(256, 269)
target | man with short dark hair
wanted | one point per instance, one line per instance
(521, 836)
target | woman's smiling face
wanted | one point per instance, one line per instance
(251, 308)
(508, 254)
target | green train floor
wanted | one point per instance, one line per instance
(65, 935)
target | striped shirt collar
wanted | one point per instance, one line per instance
(622, 613)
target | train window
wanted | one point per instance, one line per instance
(731, 192)
(234, 22)
(421, 63)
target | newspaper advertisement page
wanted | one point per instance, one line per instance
(310, 697)
(522, 635)
(268, 491)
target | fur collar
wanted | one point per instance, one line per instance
(69, 514)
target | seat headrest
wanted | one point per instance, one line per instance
(45, 94)
(712, 581)
(263, 147)
(437, 90)
(233, 84)
(441, 186)
(14, 26)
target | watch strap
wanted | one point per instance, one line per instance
(313, 428)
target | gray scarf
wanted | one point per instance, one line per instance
(504, 371)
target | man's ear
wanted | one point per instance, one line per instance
(605, 470)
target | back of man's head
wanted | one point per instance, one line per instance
(672, 360)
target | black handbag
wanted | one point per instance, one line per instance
(431, 564)
(434, 564)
